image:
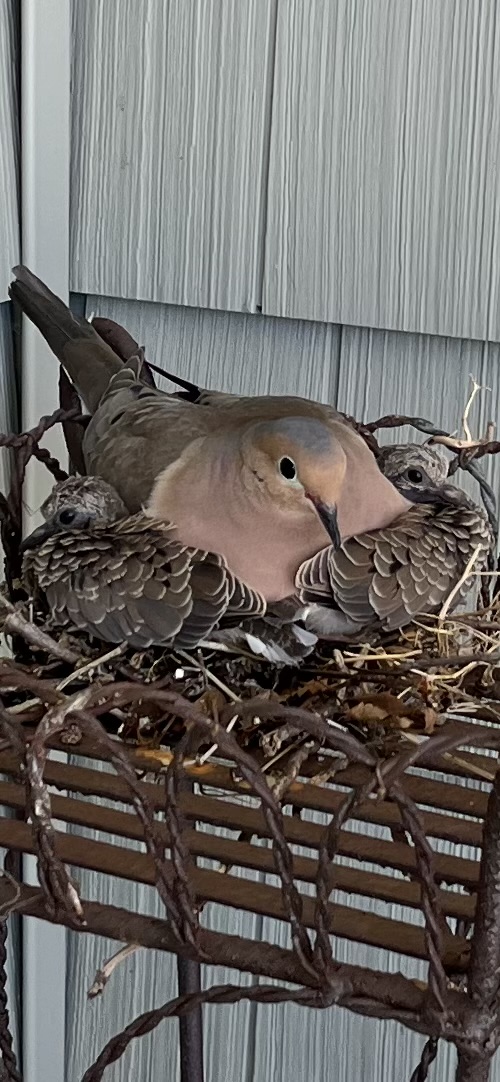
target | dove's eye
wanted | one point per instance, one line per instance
(287, 468)
(67, 516)
(415, 476)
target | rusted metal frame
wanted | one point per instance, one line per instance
(245, 855)
(483, 990)
(450, 768)
(424, 756)
(429, 1052)
(368, 992)
(433, 762)
(426, 791)
(234, 892)
(189, 983)
(8, 1060)
(236, 817)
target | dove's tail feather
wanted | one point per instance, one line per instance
(87, 359)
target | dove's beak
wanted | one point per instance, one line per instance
(38, 536)
(328, 515)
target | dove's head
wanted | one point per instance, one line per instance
(417, 470)
(77, 504)
(300, 465)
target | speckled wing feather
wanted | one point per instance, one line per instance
(132, 582)
(389, 576)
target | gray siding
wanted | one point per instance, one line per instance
(247, 354)
(8, 395)
(9, 142)
(383, 187)
(420, 375)
(337, 165)
(170, 135)
(8, 421)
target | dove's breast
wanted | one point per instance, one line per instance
(262, 544)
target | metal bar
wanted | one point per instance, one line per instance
(243, 854)
(190, 1025)
(189, 976)
(380, 993)
(425, 791)
(484, 974)
(235, 816)
(233, 891)
(433, 761)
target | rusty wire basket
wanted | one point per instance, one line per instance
(408, 781)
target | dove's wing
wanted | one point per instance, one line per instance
(132, 582)
(389, 576)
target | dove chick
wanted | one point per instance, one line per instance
(383, 579)
(126, 579)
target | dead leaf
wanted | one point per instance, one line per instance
(431, 719)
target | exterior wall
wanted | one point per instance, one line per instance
(9, 141)
(279, 195)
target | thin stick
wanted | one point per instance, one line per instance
(478, 771)
(465, 423)
(213, 748)
(102, 976)
(458, 586)
(209, 675)
(14, 623)
(19, 708)
(116, 652)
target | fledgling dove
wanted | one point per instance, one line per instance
(266, 482)
(127, 579)
(384, 578)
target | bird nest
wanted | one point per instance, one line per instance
(382, 733)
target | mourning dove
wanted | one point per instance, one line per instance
(420, 471)
(128, 579)
(384, 578)
(125, 578)
(265, 482)
(414, 466)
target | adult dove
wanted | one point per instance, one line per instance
(264, 482)
(127, 579)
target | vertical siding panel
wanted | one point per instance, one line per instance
(171, 111)
(384, 191)
(420, 375)
(8, 394)
(246, 354)
(9, 141)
